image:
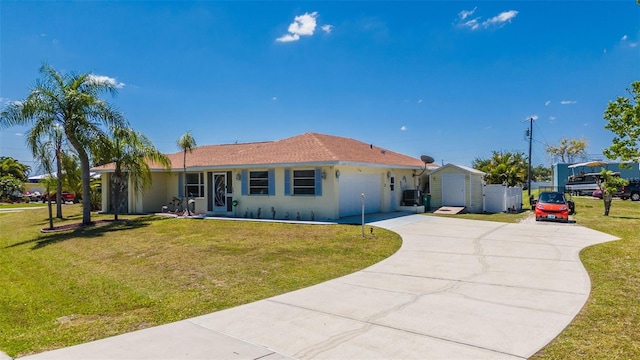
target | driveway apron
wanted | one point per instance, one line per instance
(455, 289)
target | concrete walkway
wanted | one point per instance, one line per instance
(456, 289)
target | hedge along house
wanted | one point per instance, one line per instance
(309, 177)
(457, 185)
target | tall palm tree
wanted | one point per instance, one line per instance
(43, 143)
(130, 152)
(72, 101)
(186, 142)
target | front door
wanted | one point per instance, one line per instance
(219, 192)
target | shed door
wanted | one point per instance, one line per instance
(351, 187)
(453, 193)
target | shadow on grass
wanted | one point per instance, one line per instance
(91, 231)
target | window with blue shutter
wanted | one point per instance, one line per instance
(287, 182)
(318, 182)
(272, 182)
(245, 183)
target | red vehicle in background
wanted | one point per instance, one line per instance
(66, 197)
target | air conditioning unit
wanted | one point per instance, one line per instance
(411, 198)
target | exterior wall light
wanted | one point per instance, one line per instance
(337, 174)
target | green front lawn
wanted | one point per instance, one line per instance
(67, 288)
(608, 327)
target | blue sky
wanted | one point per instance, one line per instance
(454, 80)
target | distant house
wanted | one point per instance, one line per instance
(309, 176)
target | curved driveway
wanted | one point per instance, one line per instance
(455, 289)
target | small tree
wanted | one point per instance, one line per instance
(609, 185)
(568, 149)
(130, 152)
(186, 142)
(623, 116)
(8, 186)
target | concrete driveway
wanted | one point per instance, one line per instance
(456, 289)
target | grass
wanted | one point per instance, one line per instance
(608, 326)
(71, 287)
(23, 205)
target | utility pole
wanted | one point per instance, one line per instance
(529, 172)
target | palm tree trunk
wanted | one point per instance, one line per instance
(50, 214)
(607, 198)
(86, 186)
(117, 179)
(59, 185)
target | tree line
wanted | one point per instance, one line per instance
(69, 121)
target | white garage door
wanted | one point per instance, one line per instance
(351, 188)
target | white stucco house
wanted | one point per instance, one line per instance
(310, 176)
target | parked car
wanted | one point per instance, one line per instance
(66, 197)
(597, 194)
(553, 205)
(631, 191)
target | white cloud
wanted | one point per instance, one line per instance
(303, 25)
(534, 117)
(474, 24)
(546, 103)
(403, 128)
(101, 79)
(466, 13)
(19, 134)
(288, 38)
(420, 101)
(552, 118)
(625, 40)
(501, 18)
(326, 28)
(568, 102)
(274, 98)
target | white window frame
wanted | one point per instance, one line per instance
(199, 185)
(300, 182)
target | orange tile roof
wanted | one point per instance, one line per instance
(305, 149)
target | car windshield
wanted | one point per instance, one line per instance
(552, 198)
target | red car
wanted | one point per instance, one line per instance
(552, 206)
(66, 197)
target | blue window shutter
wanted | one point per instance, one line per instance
(287, 182)
(180, 185)
(245, 182)
(318, 182)
(272, 182)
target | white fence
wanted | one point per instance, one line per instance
(500, 198)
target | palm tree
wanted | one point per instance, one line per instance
(42, 151)
(71, 101)
(43, 142)
(130, 152)
(186, 142)
(503, 168)
(12, 167)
